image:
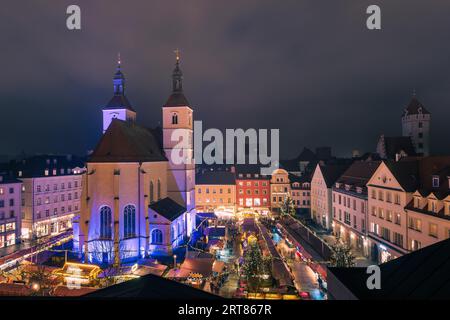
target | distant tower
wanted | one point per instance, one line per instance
(118, 107)
(416, 124)
(177, 115)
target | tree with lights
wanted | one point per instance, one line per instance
(342, 255)
(253, 265)
(288, 207)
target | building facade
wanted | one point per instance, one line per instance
(215, 191)
(350, 205)
(51, 193)
(322, 181)
(10, 211)
(280, 189)
(136, 200)
(408, 203)
(301, 193)
(252, 192)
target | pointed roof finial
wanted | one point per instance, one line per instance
(414, 92)
(177, 54)
(119, 61)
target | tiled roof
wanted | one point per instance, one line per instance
(215, 178)
(35, 166)
(117, 102)
(125, 141)
(394, 145)
(168, 208)
(332, 172)
(359, 173)
(152, 287)
(422, 274)
(176, 99)
(415, 107)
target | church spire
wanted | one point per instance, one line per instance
(177, 75)
(119, 79)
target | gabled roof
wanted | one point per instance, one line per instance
(359, 173)
(176, 99)
(406, 173)
(152, 287)
(168, 208)
(332, 172)
(422, 274)
(125, 141)
(415, 107)
(394, 145)
(119, 102)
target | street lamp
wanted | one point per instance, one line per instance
(174, 261)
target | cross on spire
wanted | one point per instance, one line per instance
(177, 54)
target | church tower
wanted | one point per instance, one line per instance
(118, 107)
(178, 143)
(416, 124)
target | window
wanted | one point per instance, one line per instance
(347, 218)
(158, 190)
(386, 234)
(388, 197)
(415, 224)
(397, 198)
(380, 195)
(433, 230)
(157, 236)
(435, 182)
(415, 245)
(174, 118)
(374, 194)
(398, 239)
(105, 223)
(152, 197)
(129, 221)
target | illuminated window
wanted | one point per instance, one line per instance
(105, 223)
(129, 221)
(157, 236)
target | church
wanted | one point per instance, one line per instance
(136, 202)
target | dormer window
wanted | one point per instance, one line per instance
(435, 182)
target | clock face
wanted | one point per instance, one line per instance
(114, 115)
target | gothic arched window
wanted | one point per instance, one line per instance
(152, 193)
(159, 189)
(174, 232)
(129, 221)
(174, 118)
(105, 223)
(157, 236)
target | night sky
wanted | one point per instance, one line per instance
(310, 68)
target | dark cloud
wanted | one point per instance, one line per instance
(310, 68)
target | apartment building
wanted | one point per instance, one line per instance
(51, 191)
(350, 205)
(215, 191)
(10, 211)
(252, 190)
(301, 193)
(280, 189)
(323, 179)
(409, 206)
